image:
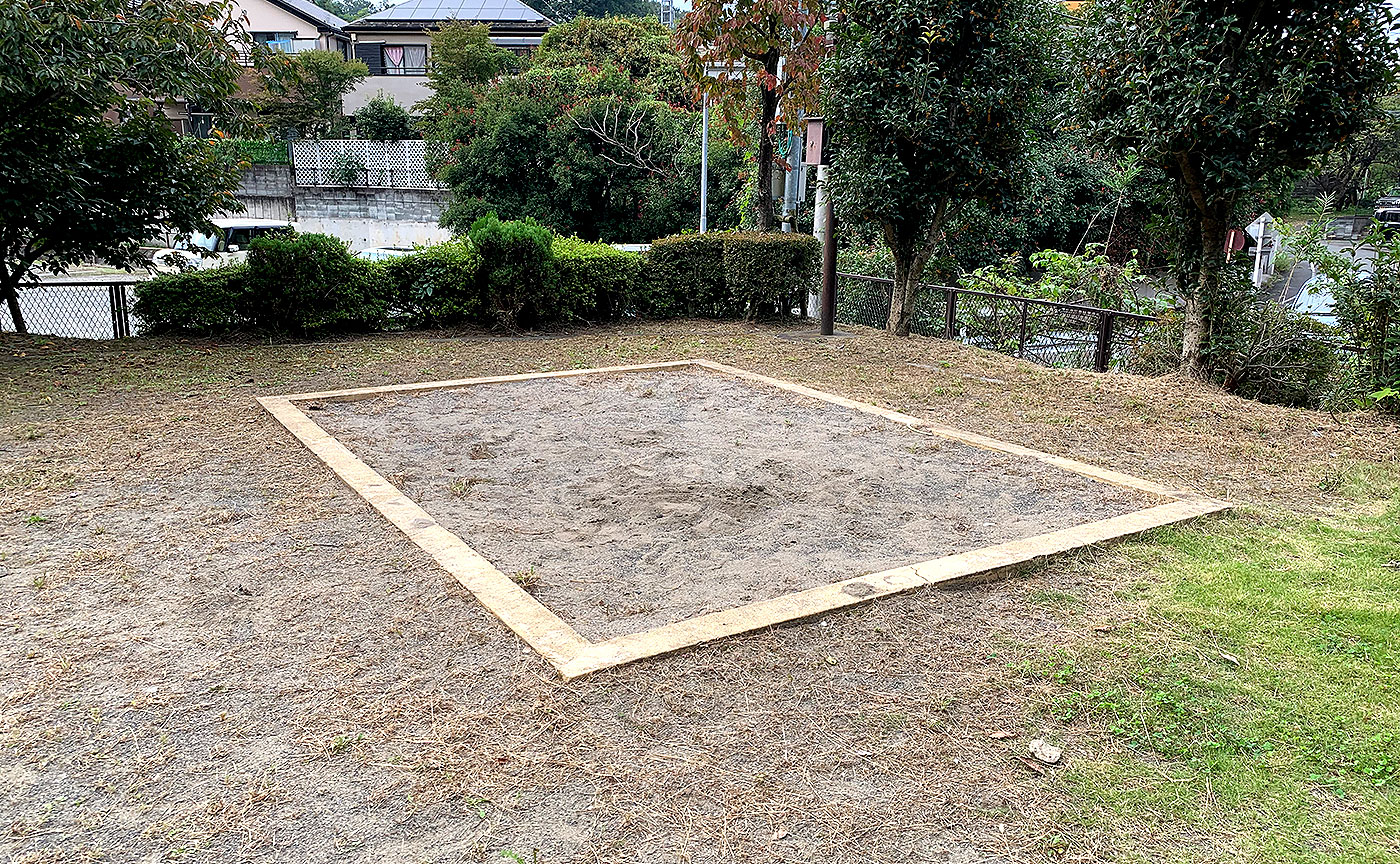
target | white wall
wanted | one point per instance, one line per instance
(403, 89)
(364, 233)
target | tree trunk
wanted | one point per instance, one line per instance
(1202, 301)
(763, 202)
(11, 296)
(908, 270)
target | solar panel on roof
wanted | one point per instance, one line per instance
(438, 10)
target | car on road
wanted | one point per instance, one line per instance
(384, 253)
(227, 245)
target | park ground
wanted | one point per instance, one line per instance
(213, 651)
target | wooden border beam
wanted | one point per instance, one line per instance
(572, 655)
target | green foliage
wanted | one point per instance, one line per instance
(767, 273)
(685, 277)
(197, 302)
(310, 283)
(1088, 279)
(304, 92)
(1224, 99)
(1366, 294)
(593, 281)
(383, 119)
(1266, 351)
(88, 168)
(254, 152)
(729, 274)
(569, 10)
(639, 47)
(351, 10)
(932, 100)
(589, 153)
(461, 61)
(299, 285)
(517, 270)
(436, 286)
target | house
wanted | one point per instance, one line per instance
(293, 26)
(394, 42)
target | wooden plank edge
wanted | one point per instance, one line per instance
(1094, 472)
(525, 616)
(1000, 560)
(360, 393)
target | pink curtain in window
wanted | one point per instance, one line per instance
(393, 58)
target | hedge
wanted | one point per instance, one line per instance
(437, 286)
(593, 281)
(302, 285)
(730, 274)
(506, 274)
(256, 152)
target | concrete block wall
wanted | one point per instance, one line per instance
(360, 217)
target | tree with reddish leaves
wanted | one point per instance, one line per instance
(769, 46)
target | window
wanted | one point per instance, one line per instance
(405, 59)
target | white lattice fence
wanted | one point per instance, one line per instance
(376, 164)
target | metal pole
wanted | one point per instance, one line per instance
(705, 165)
(828, 254)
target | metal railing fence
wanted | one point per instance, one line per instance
(1041, 331)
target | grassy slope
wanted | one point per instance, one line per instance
(1251, 710)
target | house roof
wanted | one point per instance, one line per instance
(434, 11)
(311, 12)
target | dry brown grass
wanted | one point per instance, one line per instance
(216, 652)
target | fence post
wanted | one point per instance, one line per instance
(121, 322)
(1104, 350)
(950, 315)
(1021, 341)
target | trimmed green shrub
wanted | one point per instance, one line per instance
(308, 283)
(436, 286)
(516, 273)
(767, 273)
(685, 277)
(729, 274)
(593, 281)
(201, 301)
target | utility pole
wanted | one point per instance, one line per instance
(705, 164)
(824, 224)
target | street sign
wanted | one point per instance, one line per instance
(1257, 228)
(1234, 241)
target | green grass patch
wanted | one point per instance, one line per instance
(1251, 710)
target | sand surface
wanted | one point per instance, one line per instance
(628, 501)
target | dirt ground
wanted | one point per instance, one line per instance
(629, 501)
(213, 651)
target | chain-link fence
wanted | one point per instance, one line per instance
(1042, 331)
(81, 310)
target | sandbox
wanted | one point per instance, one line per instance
(612, 514)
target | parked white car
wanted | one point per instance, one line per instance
(228, 245)
(384, 253)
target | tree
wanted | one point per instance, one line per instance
(383, 119)
(351, 10)
(929, 101)
(89, 166)
(639, 47)
(585, 151)
(1368, 161)
(772, 46)
(463, 54)
(304, 92)
(567, 10)
(1223, 97)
